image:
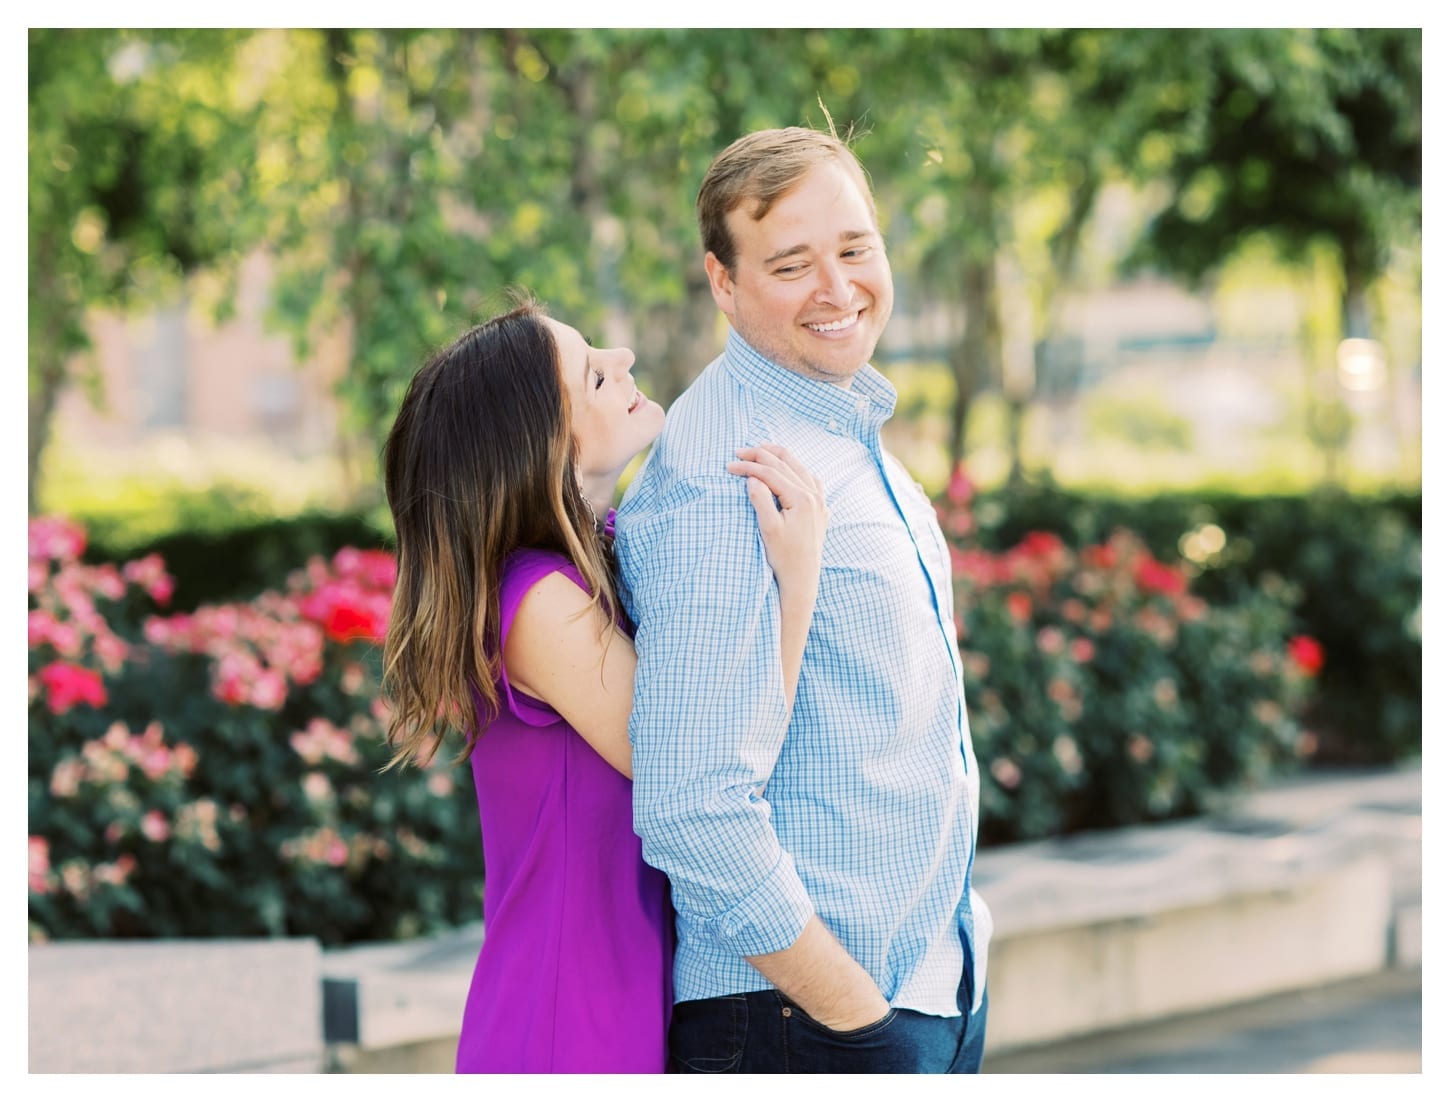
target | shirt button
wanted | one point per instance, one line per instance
(861, 406)
(834, 426)
(785, 1012)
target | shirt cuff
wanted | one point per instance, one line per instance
(770, 918)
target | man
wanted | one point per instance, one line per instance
(820, 860)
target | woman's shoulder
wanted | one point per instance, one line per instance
(525, 567)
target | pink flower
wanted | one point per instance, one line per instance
(1050, 640)
(155, 827)
(317, 787)
(375, 569)
(39, 626)
(65, 639)
(56, 538)
(1019, 607)
(1140, 749)
(1006, 773)
(1307, 654)
(1081, 650)
(66, 777)
(39, 864)
(150, 574)
(112, 650)
(67, 685)
(334, 850)
(269, 690)
(185, 758)
(959, 486)
(1065, 750)
(106, 580)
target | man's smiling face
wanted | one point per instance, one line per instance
(812, 287)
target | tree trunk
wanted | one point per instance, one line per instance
(972, 358)
(48, 355)
(48, 382)
(674, 342)
(1354, 305)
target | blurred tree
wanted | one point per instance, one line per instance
(1307, 137)
(1005, 139)
(412, 176)
(139, 154)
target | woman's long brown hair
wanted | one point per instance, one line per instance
(479, 462)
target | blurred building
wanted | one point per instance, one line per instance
(172, 372)
(1143, 364)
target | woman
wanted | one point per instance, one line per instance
(507, 626)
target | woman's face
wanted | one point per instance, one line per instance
(612, 421)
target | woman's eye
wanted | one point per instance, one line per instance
(598, 379)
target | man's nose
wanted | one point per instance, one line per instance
(834, 288)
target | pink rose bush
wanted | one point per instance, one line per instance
(217, 772)
(1102, 691)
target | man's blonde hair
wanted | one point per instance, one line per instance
(759, 169)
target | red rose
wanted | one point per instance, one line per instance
(1153, 577)
(67, 685)
(1040, 544)
(1306, 653)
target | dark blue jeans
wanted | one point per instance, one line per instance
(764, 1032)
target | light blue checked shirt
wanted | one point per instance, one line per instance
(869, 809)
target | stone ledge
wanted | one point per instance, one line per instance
(405, 993)
(176, 1006)
(1309, 882)
(1055, 981)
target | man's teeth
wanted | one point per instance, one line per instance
(833, 326)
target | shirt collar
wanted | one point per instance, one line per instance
(858, 410)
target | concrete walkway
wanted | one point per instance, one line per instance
(1371, 1025)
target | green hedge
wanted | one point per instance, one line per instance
(232, 564)
(1352, 567)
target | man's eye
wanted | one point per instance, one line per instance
(598, 379)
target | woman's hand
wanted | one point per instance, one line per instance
(794, 534)
(795, 531)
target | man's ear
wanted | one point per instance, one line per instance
(721, 285)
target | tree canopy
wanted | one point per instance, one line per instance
(400, 180)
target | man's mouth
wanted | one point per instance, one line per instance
(834, 326)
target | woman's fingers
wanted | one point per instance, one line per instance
(765, 511)
(783, 483)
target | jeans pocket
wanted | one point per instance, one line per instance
(863, 1033)
(877, 1048)
(707, 1036)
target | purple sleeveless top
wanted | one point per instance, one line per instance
(574, 973)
